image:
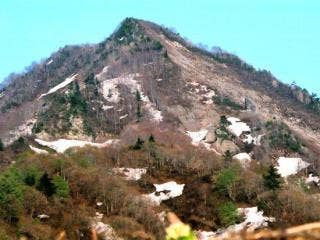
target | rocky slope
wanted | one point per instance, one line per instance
(205, 110)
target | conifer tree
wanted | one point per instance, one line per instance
(1, 145)
(272, 180)
(46, 186)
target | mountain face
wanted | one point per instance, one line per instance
(177, 81)
(145, 79)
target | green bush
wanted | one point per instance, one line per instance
(225, 181)
(61, 187)
(11, 195)
(281, 137)
(228, 214)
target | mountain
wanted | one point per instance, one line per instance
(154, 103)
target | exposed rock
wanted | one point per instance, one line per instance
(211, 136)
(224, 145)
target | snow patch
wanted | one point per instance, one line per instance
(60, 85)
(43, 216)
(165, 191)
(123, 116)
(131, 174)
(253, 219)
(197, 137)
(106, 107)
(62, 145)
(237, 127)
(49, 62)
(38, 150)
(253, 140)
(111, 93)
(243, 158)
(312, 179)
(290, 166)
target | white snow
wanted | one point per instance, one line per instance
(106, 107)
(253, 140)
(43, 216)
(155, 114)
(38, 150)
(243, 158)
(253, 219)
(60, 85)
(62, 145)
(312, 179)
(49, 62)
(165, 191)
(290, 166)
(197, 136)
(123, 116)
(131, 174)
(111, 93)
(237, 127)
(99, 204)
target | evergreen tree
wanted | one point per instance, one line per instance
(138, 145)
(272, 179)
(46, 186)
(61, 187)
(139, 100)
(1, 145)
(151, 138)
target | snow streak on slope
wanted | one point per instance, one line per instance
(197, 137)
(253, 219)
(62, 145)
(133, 174)
(237, 127)
(110, 90)
(60, 85)
(165, 191)
(290, 166)
(38, 150)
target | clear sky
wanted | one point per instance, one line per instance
(282, 36)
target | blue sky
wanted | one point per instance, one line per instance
(282, 36)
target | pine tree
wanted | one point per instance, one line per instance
(272, 179)
(151, 138)
(139, 100)
(1, 145)
(138, 145)
(46, 186)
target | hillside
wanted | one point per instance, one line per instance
(112, 136)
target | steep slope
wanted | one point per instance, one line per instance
(163, 126)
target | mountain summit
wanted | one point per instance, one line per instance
(146, 85)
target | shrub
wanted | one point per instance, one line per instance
(31, 176)
(228, 214)
(225, 182)
(280, 136)
(11, 195)
(61, 187)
